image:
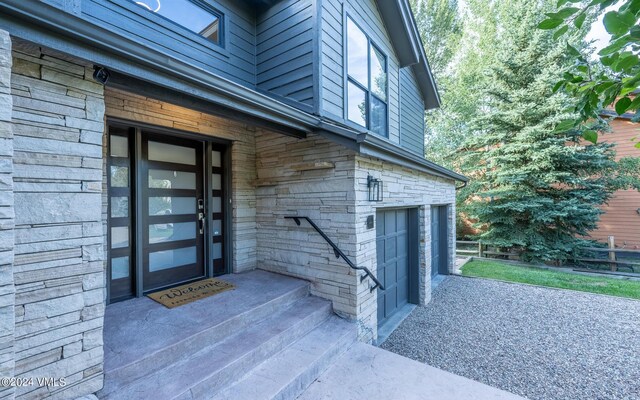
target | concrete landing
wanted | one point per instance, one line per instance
(367, 372)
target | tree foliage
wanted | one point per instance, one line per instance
(439, 25)
(461, 36)
(535, 186)
(617, 73)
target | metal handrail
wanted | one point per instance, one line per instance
(339, 253)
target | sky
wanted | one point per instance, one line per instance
(598, 33)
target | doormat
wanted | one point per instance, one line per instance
(191, 292)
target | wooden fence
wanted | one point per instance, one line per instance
(480, 250)
(612, 254)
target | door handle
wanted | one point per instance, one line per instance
(201, 220)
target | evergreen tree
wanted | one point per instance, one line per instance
(535, 186)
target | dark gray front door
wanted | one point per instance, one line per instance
(439, 240)
(166, 209)
(393, 261)
(172, 221)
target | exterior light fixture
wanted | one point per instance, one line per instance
(375, 188)
(100, 75)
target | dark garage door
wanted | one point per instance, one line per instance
(439, 243)
(393, 261)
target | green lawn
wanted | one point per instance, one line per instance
(562, 280)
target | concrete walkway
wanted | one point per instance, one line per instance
(368, 372)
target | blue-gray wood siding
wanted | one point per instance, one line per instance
(285, 51)
(236, 61)
(411, 113)
(331, 59)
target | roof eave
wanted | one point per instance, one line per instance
(403, 40)
(371, 145)
(427, 84)
(409, 48)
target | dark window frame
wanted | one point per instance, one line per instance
(369, 95)
(175, 26)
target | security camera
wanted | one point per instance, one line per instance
(101, 74)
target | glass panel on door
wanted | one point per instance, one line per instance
(120, 233)
(172, 205)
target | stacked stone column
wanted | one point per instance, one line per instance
(7, 220)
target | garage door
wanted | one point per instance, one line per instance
(439, 243)
(393, 261)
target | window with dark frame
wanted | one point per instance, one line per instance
(195, 15)
(367, 87)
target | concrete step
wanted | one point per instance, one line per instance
(200, 373)
(289, 373)
(157, 336)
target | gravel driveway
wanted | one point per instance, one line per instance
(536, 342)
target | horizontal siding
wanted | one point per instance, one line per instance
(332, 58)
(411, 114)
(284, 53)
(236, 62)
(366, 14)
(621, 218)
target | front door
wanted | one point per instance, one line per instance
(173, 214)
(166, 210)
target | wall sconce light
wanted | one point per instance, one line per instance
(375, 188)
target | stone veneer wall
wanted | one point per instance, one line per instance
(7, 222)
(58, 269)
(403, 187)
(294, 179)
(124, 105)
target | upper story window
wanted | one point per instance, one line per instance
(366, 81)
(194, 15)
